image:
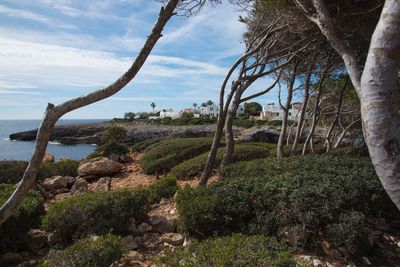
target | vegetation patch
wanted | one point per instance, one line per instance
(235, 250)
(90, 251)
(11, 171)
(164, 155)
(104, 212)
(309, 197)
(27, 216)
(144, 144)
(66, 167)
(193, 167)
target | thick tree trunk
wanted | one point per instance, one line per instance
(53, 113)
(380, 99)
(328, 141)
(300, 122)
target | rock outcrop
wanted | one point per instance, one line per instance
(58, 182)
(101, 166)
(264, 134)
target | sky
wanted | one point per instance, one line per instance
(54, 50)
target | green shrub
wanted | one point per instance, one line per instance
(236, 251)
(164, 188)
(108, 149)
(243, 122)
(11, 171)
(104, 212)
(27, 216)
(144, 144)
(162, 156)
(193, 167)
(308, 195)
(96, 213)
(114, 134)
(91, 251)
(65, 167)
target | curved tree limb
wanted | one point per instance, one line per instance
(53, 113)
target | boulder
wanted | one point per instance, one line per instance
(35, 239)
(99, 166)
(48, 158)
(129, 242)
(259, 135)
(144, 227)
(160, 224)
(102, 185)
(80, 187)
(174, 239)
(57, 182)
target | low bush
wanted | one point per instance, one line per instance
(27, 216)
(11, 171)
(308, 196)
(104, 212)
(237, 251)
(193, 167)
(243, 122)
(189, 121)
(108, 149)
(66, 167)
(90, 251)
(164, 155)
(144, 144)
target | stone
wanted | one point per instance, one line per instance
(259, 135)
(129, 242)
(134, 256)
(317, 263)
(151, 241)
(99, 166)
(102, 185)
(143, 228)
(80, 187)
(57, 182)
(172, 239)
(90, 178)
(10, 258)
(160, 224)
(48, 158)
(35, 239)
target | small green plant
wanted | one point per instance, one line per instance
(90, 251)
(108, 149)
(236, 250)
(65, 167)
(114, 134)
(11, 171)
(27, 216)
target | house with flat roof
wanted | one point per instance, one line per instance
(273, 111)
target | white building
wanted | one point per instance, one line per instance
(170, 113)
(273, 112)
(210, 110)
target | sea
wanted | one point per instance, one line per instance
(22, 150)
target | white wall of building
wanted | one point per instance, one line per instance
(277, 112)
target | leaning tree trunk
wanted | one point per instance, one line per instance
(300, 122)
(282, 134)
(380, 98)
(328, 141)
(53, 113)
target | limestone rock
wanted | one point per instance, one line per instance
(129, 242)
(144, 227)
(80, 187)
(48, 158)
(102, 185)
(57, 182)
(35, 239)
(160, 224)
(259, 135)
(172, 239)
(134, 256)
(99, 166)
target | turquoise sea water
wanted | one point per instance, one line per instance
(22, 150)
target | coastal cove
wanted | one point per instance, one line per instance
(22, 150)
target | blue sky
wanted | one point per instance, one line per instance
(53, 50)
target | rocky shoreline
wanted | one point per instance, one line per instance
(90, 133)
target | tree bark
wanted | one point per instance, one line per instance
(380, 99)
(53, 113)
(300, 122)
(282, 134)
(328, 141)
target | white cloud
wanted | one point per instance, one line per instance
(27, 15)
